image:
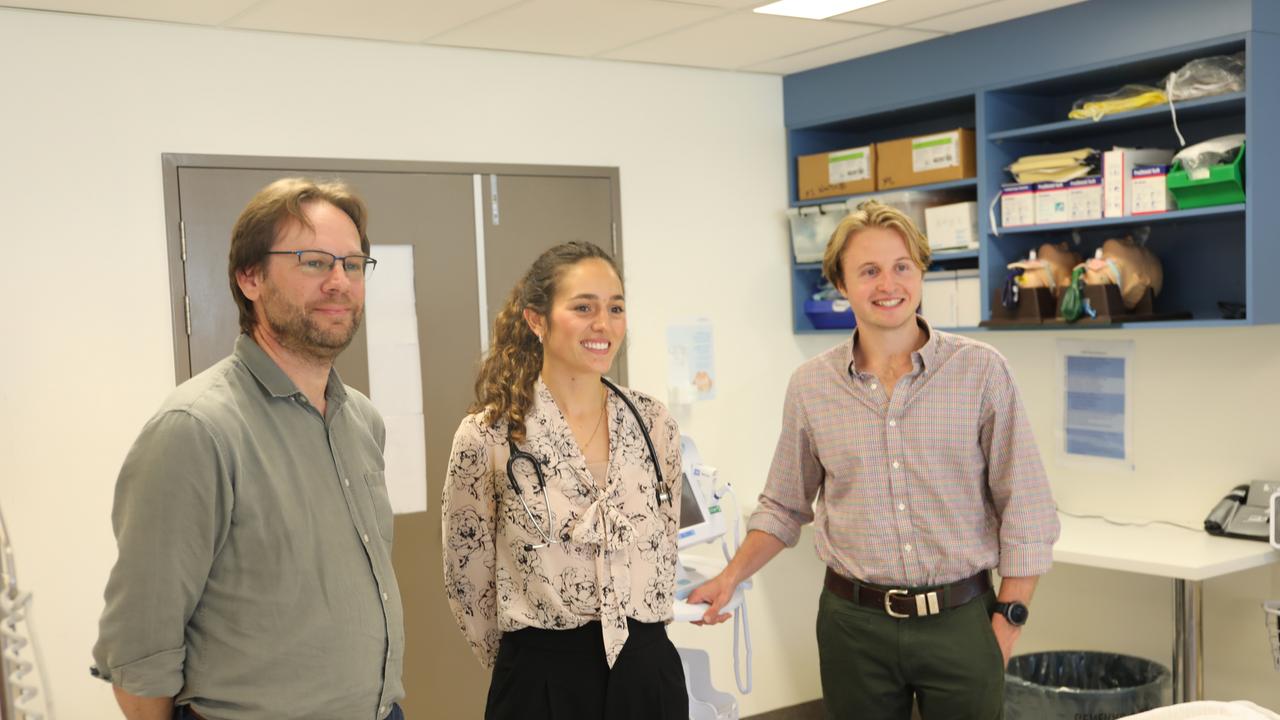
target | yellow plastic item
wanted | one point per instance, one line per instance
(1097, 109)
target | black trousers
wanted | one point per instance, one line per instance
(563, 675)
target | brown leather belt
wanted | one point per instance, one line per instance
(903, 603)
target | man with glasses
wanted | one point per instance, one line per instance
(254, 530)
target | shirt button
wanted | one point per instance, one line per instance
(365, 537)
(381, 709)
(874, 386)
(385, 597)
(907, 547)
(902, 506)
(896, 465)
(893, 423)
(346, 482)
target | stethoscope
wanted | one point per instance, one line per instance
(659, 488)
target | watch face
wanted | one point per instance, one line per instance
(1017, 613)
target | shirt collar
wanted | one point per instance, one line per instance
(273, 379)
(926, 355)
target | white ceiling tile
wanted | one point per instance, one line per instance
(846, 50)
(195, 12)
(727, 4)
(398, 20)
(990, 14)
(575, 27)
(737, 40)
(904, 12)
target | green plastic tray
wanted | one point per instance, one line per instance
(1224, 186)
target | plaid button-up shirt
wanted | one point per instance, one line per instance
(926, 487)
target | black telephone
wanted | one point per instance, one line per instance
(1245, 512)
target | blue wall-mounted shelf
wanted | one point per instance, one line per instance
(1014, 83)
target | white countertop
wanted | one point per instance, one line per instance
(1157, 549)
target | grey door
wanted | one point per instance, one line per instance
(534, 212)
(435, 212)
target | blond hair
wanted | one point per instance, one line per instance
(872, 214)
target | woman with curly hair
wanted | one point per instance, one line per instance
(560, 509)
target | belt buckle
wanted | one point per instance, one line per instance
(888, 603)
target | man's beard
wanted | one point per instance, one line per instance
(299, 333)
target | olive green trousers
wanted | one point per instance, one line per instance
(873, 665)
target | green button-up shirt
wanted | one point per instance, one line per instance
(254, 576)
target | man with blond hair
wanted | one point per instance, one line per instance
(254, 530)
(910, 451)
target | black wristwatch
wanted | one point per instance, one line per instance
(1015, 612)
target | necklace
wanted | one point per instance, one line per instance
(604, 406)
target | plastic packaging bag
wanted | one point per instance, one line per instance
(1198, 158)
(1129, 97)
(1202, 77)
(1076, 684)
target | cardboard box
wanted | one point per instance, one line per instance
(1150, 190)
(1017, 205)
(1052, 203)
(952, 226)
(925, 159)
(841, 172)
(1085, 198)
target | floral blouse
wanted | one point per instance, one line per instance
(617, 555)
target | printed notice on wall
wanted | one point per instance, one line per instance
(395, 375)
(1097, 413)
(691, 369)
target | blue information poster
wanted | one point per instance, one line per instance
(1096, 394)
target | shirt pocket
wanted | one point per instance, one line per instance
(376, 482)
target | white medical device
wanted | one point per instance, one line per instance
(21, 667)
(703, 521)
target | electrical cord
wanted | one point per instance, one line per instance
(1124, 523)
(741, 626)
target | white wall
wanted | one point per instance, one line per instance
(89, 105)
(1204, 404)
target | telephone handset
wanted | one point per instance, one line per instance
(1245, 512)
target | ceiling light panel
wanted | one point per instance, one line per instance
(737, 40)
(903, 12)
(814, 9)
(575, 27)
(398, 20)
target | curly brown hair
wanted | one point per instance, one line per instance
(504, 385)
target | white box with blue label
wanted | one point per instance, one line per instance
(1017, 205)
(1150, 190)
(1085, 201)
(1053, 203)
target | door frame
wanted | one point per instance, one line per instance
(171, 163)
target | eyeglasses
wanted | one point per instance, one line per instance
(319, 263)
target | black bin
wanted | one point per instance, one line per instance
(1077, 684)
